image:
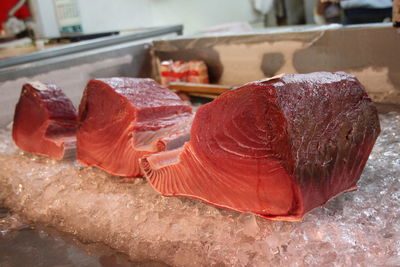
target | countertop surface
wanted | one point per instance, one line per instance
(356, 228)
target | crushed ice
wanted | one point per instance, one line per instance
(356, 228)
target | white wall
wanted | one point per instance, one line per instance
(45, 18)
(106, 15)
(196, 15)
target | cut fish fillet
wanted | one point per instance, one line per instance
(123, 119)
(276, 148)
(45, 121)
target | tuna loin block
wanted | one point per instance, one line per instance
(276, 148)
(45, 120)
(122, 119)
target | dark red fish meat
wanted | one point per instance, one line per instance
(277, 148)
(123, 119)
(45, 120)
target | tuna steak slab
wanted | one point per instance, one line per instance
(123, 119)
(45, 121)
(276, 148)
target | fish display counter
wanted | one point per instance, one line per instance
(128, 216)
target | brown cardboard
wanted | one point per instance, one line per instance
(368, 52)
(396, 13)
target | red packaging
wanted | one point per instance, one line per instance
(194, 71)
(197, 72)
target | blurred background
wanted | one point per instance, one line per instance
(29, 25)
(68, 42)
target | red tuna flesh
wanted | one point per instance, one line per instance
(45, 121)
(276, 148)
(123, 119)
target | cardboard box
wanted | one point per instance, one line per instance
(370, 52)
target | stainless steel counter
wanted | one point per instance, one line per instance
(73, 65)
